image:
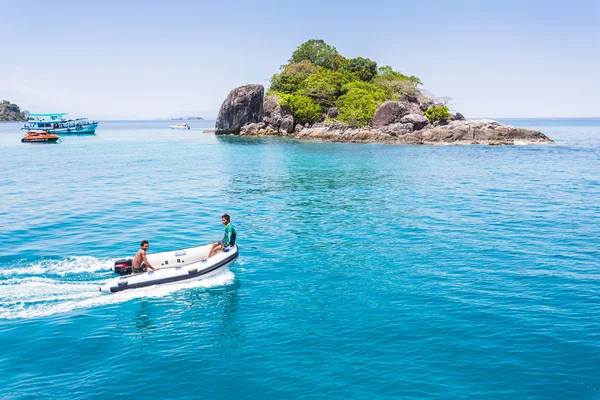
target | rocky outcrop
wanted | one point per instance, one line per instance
(243, 105)
(480, 132)
(456, 132)
(401, 122)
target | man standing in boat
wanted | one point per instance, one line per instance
(228, 238)
(140, 262)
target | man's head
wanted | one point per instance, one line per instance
(225, 219)
(145, 245)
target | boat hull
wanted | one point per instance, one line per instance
(39, 140)
(85, 129)
(184, 272)
(39, 137)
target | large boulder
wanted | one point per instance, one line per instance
(243, 105)
(418, 121)
(388, 113)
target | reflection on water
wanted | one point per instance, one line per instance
(251, 140)
(144, 319)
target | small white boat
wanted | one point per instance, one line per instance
(179, 126)
(175, 267)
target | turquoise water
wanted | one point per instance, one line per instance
(365, 271)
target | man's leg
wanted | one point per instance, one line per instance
(212, 249)
(217, 247)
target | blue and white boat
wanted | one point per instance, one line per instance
(59, 124)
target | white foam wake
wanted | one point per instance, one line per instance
(70, 265)
(31, 297)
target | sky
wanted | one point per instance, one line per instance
(135, 60)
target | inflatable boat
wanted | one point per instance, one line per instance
(174, 267)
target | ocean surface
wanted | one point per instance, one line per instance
(366, 271)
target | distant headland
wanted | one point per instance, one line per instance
(10, 112)
(187, 119)
(322, 95)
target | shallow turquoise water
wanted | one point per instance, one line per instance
(366, 271)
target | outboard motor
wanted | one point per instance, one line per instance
(124, 266)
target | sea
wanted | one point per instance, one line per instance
(366, 271)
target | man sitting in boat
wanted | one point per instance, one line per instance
(140, 262)
(228, 238)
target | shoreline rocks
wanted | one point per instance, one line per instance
(399, 122)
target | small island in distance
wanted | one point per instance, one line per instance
(187, 119)
(10, 112)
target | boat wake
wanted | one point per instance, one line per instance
(47, 287)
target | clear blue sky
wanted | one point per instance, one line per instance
(133, 59)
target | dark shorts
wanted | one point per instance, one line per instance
(220, 243)
(143, 268)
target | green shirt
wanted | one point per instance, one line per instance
(229, 238)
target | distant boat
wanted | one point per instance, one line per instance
(59, 124)
(39, 137)
(179, 126)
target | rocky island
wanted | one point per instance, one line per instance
(10, 112)
(321, 95)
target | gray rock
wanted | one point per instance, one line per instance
(269, 105)
(398, 129)
(458, 117)
(388, 113)
(243, 105)
(287, 124)
(418, 121)
(425, 104)
(251, 129)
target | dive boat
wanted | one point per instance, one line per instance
(58, 123)
(179, 126)
(178, 266)
(39, 137)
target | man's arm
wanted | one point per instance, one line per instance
(148, 264)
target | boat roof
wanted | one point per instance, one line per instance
(48, 115)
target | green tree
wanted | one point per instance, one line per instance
(323, 87)
(364, 68)
(292, 76)
(303, 107)
(438, 113)
(317, 52)
(379, 94)
(357, 107)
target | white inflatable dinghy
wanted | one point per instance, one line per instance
(175, 266)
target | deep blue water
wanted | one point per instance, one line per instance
(366, 271)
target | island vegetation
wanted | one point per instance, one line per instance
(10, 112)
(317, 78)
